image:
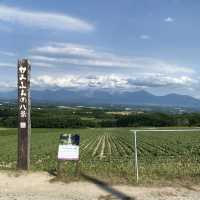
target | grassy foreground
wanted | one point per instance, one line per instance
(107, 153)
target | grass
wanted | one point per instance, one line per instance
(107, 153)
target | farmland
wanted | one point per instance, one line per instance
(108, 153)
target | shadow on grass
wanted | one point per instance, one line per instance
(103, 185)
(52, 172)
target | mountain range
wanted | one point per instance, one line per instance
(103, 97)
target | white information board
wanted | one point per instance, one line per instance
(68, 152)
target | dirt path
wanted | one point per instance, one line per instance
(37, 186)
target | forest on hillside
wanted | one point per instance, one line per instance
(54, 117)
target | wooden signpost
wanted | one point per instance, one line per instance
(24, 120)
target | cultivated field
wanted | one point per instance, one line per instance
(108, 153)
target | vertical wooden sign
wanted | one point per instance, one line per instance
(24, 120)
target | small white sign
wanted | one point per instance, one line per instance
(23, 125)
(68, 152)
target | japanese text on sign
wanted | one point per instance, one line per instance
(23, 87)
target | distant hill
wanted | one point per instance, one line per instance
(100, 97)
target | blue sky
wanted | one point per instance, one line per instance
(122, 45)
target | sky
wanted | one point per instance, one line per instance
(123, 45)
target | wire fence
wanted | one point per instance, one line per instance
(157, 153)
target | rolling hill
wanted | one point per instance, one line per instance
(103, 97)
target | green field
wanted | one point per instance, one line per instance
(108, 153)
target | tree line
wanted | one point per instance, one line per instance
(55, 118)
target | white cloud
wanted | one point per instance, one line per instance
(148, 73)
(145, 37)
(81, 82)
(43, 20)
(5, 64)
(161, 80)
(6, 53)
(66, 53)
(169, 19)
(66, 49)
(42, 64)
(7, 86)
(112, 81)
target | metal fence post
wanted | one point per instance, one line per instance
(136, 157)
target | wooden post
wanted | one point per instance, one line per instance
(77, 168)
(24, 120)
(59, 168)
